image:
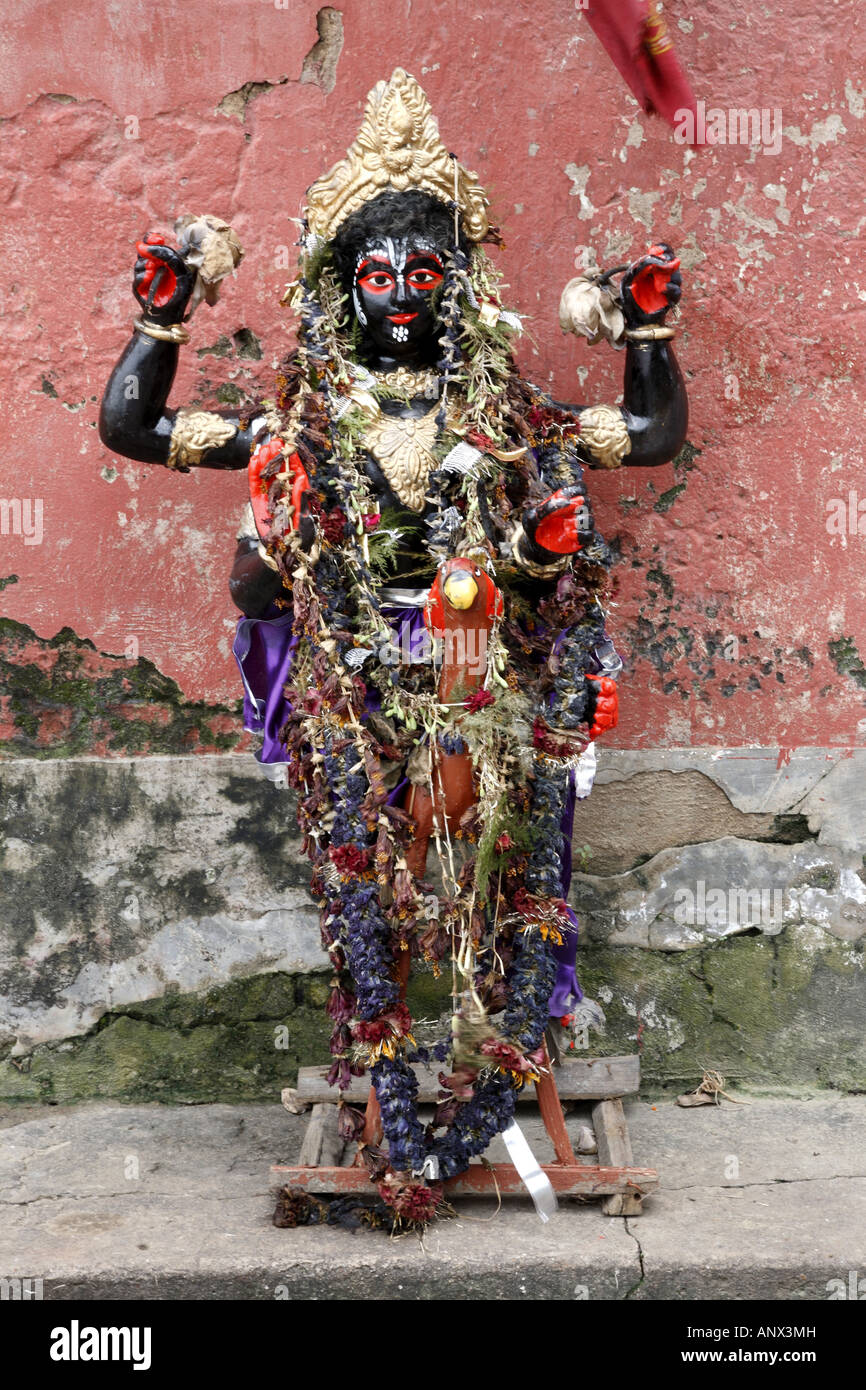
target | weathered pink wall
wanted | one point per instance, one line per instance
(774, 313)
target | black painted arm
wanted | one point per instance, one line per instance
(655, 407)
(133, 419)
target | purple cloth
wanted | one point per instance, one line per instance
(264, 649)
(566, 989)
(412, 644)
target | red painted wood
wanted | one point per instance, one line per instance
(483, 1180)
(551, 1113)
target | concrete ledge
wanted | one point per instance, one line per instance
(150, 1202)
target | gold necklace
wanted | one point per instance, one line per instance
(424, 382)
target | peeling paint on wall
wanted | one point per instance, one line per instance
(63, 698)
(98, 153)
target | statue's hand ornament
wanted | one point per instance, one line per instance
(552, 531)
(606, 711)
(162, 281)
(651, 286)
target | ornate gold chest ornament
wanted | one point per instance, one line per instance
(402, 445)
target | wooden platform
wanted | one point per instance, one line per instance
(602, 1080)
(576, 1180)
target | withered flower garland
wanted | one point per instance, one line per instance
(353, 711)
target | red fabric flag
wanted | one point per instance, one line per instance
(636, 37)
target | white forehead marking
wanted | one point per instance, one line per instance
(396, 249)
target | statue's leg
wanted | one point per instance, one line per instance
(454, 793)
(420, 807)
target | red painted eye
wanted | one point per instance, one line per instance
(423, 279)
(377, 281)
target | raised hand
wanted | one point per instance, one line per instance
(557, 526)
(651, 286)
(162, 280)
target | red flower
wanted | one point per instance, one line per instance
(503, 844)
(350, 1122)
(511, 1058)
(371, 520)
(478, 701)
(413, 1201)
(340, 1073)
(341, 1005)
(349, 859)
(341, 1040)
(397, 1021)
(547, 743)
(372, 1030)
(401, 1019)
(334, 526)
(480, 440)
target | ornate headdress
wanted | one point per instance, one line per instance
(398, 146)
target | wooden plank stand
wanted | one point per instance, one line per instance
(602, 1080)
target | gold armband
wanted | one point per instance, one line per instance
(603, 432)
(195, 433)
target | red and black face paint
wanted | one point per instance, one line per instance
(395, 280)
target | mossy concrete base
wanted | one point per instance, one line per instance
(158, 940)
(782, 1010)
(239, 1042)
(764, 1010)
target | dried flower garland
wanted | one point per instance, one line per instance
(355, 714)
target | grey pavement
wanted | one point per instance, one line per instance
(104, 1201)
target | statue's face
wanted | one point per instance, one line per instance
(394, 283)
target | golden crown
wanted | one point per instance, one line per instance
(398, 146)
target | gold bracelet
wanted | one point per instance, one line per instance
(194, 434)
(165, 333)
(534, 570)
(650, 332)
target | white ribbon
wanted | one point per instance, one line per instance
(537, 1184)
